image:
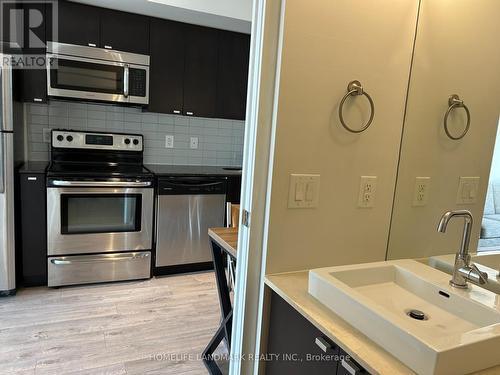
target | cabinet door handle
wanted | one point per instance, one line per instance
(92, 45)
(322, 344)
(37, 100)
(177, 112)
(108, 47)
(32, 178)
(350, 367)
(189, 113)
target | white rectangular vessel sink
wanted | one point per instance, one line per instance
(489, 263)
(451, 332)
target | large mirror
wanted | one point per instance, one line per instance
(444, 165)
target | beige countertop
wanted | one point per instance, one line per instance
(292, 287)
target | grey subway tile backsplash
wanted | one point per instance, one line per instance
(220, 142)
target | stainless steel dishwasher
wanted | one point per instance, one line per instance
(186, 208)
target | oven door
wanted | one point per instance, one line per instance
(94, 79)
(99, 219)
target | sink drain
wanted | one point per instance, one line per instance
(416, 314)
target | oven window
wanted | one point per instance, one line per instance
(100, 213)
(84, 76)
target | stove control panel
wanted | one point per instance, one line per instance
(97, 141)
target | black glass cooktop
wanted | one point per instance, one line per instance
(69, 169)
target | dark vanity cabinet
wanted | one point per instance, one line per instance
(31, 238)
(296, 347)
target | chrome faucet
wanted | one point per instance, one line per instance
(464, 270)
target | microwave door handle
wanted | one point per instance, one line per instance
(126, 75)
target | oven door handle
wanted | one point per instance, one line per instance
(101, 183)
(101, 259)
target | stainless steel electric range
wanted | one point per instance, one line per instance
(99, 208)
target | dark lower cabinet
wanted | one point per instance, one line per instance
(233, 189)
(33, 230)
(296, 347)
(232, 75)
(200, 71)
(166, 86)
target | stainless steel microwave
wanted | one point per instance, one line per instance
(97, 74)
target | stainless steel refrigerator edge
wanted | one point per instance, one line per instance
(7, 242)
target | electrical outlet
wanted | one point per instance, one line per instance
(47, 135)
(169, 141)
(468, 188)
(367, 191)
(421, 191)
(193, 142)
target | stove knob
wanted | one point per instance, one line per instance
(127, 141)
(60, 138)
(69, 138)
(136, 142)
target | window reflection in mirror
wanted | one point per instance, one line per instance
(489, 239)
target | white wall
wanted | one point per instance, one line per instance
(457, 52)
(326, 44)
(233, 15)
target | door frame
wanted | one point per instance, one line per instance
(265, 52)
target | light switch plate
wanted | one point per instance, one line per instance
(193, 142)
(169, 141)
(47, 135)
(421, 191)
(367, 191)
(304, 191)
(468, 188)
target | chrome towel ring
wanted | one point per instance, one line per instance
(354, 89)
(454, 101)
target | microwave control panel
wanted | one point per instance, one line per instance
(137, 82)
(97, 141)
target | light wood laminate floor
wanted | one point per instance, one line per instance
(158, 326)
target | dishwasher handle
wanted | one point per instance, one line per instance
(191, 187)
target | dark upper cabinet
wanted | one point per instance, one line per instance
(200, 71)
(124, 31)
(232, 75)
(78, 24)
(31, 84)
(166, 86)
(104, 28)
